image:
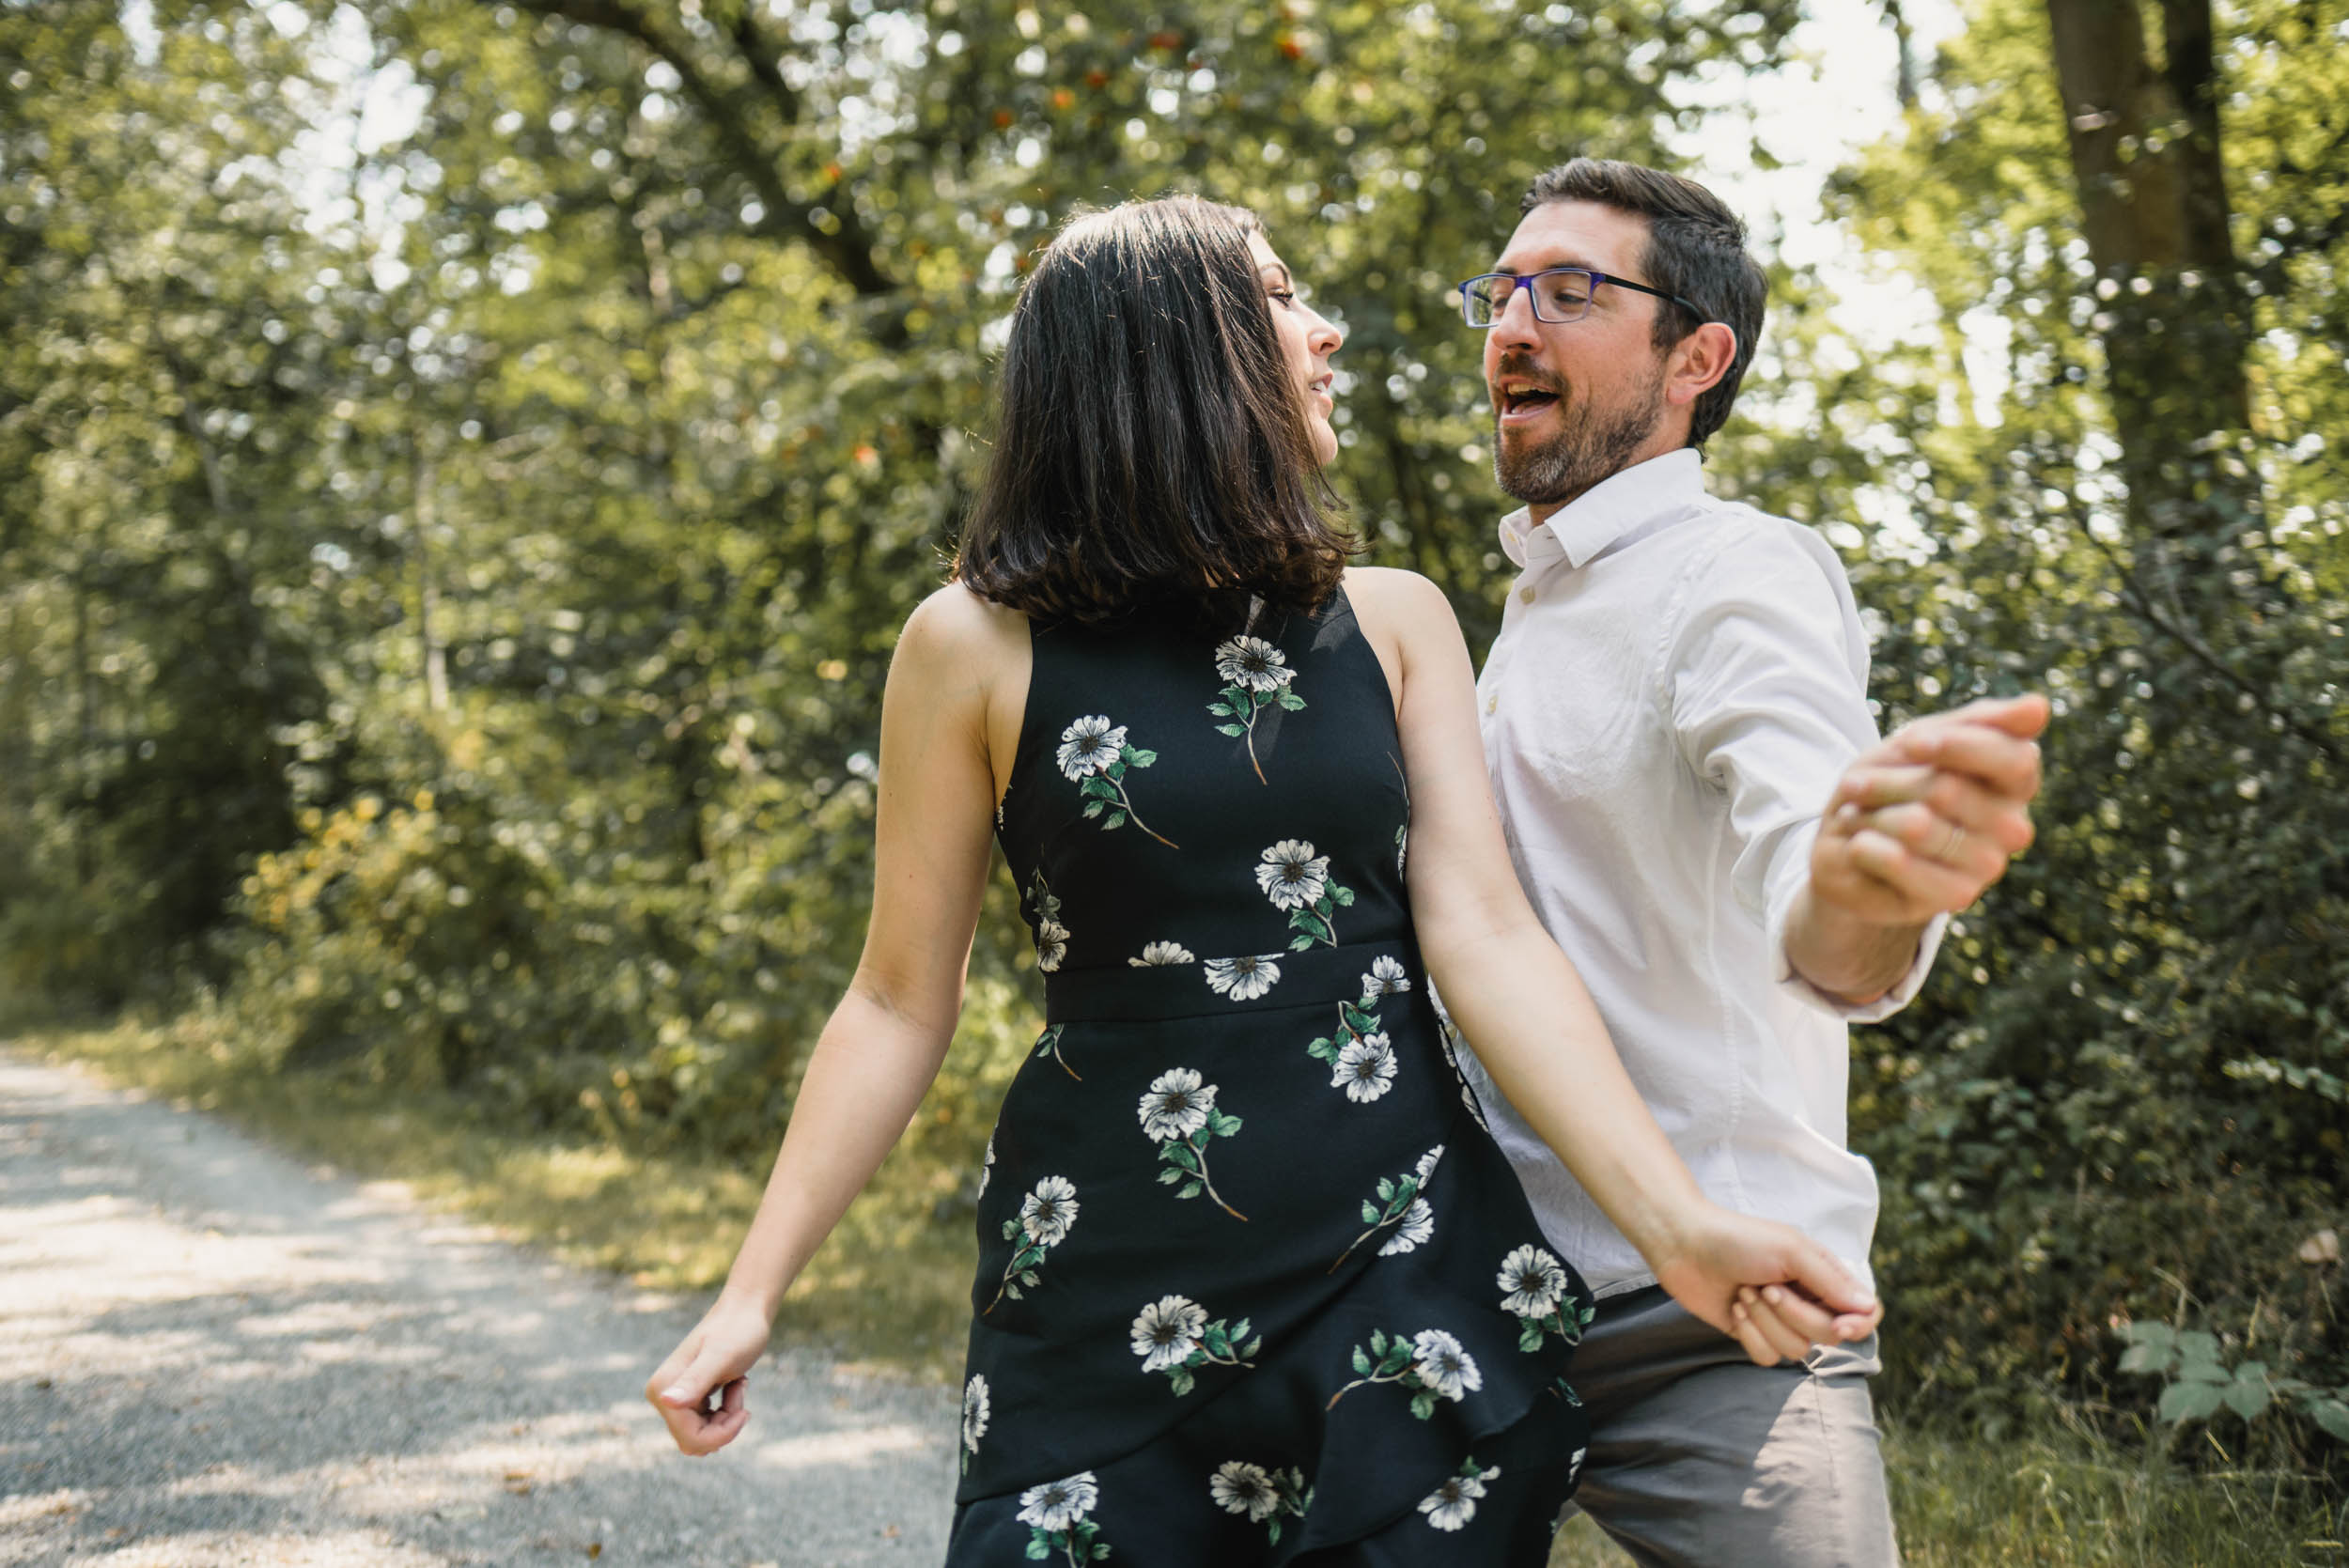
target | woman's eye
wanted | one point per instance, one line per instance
(1284, 296)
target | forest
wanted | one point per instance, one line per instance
(463, 467)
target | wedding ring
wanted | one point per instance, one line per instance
(1947, 853)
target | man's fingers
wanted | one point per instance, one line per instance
(1888, 785)
(1791, 1310)
(1859, 1325)
(1823, 1276)
(1927, 883)
(1747, 1332)
(1992, 757)
(1977, 851)
(1782, 1336)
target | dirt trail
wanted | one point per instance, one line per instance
(210, 1356)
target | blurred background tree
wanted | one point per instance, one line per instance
(462, 467)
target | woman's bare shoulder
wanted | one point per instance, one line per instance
(1397, 606)
(954, 628)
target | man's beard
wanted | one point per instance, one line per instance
(1589, 448)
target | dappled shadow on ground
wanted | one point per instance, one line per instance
(210, 1355)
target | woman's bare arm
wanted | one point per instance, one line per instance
(959, 667)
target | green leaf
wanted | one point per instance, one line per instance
(1530, 1337)
(2190, 1401)
(1300, 945)
(1343, 895)
(1272, 1532)
(1191, 1189)
(1182, 1154)
(1304, 920)
(1101, 1550)
(1182, 1379)
(1248, 1352)
(2330, 1414)
(1289, 700)
(2197, 1349)
(1361, 1021)
(1170, 1175)
(2152, 1333)
(1322, 1050)
(1013, 1291)
(1027, 1277)
(1098, 787)
(2155, 1358)
(1218, 1340)
(1116, 819)
(1139, 757)
(1386, 1189)
(1221, 710)
(2249, 1397)
(1423, 1403)
(1361, 1362)
(1038, 1548)
(1011, 1228)
(1225, 1126)
(1092, 808)
(1370, 1213)
(1240, 1330)
(1235, 730)
(1377, 1341)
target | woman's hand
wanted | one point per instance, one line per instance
(715, 1357)
(1767, 1286)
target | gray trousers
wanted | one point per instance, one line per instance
(1700, 1459)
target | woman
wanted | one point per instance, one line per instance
(1254, 1284)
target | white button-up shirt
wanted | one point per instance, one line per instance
(1677, 686)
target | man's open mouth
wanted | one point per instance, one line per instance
(1524, 401)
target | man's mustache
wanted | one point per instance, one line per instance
(1520, 368)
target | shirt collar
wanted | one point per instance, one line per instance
(1584, 528)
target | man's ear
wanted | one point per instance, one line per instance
(1698, 363)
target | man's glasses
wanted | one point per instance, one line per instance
(1559, 295)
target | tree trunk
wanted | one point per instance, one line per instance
(2173, 313)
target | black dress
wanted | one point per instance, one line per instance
(1255, 1286)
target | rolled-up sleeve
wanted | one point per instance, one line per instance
(1765, 666)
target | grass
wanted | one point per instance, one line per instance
(890, 1292)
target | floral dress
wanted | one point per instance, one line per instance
(1255, 1286)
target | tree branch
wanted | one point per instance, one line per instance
(839, 238)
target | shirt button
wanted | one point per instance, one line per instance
(1492, 703)
(1524, 595)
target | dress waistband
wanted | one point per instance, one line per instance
(1135, 993)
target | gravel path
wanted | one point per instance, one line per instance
(210, 1356)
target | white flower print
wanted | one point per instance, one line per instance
(1051, 945)
(1364, 1068)
(1538, 1292)
(1443, 1365)
(1256, 675)
(1157, 953)
(976, 1410)
(1418, 1224)
(1094, 755)
(986, 1166)
(1253, 663)
(1056, 1516)
(1291, 875)
(1534, 1281)
(1454, 1504)
(1167, 1332)
(1178, 1104)
(1178, 1115)
(1386, 978)
(1046, 1213)
(1398, 1203)
(1089, 746)
(1431, 1364)
(1240, 1488)
(1244, 979)
(1174, 1335)
(1056, 1505)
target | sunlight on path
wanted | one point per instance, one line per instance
(210, 1356)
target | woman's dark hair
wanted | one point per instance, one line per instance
(1151, 444)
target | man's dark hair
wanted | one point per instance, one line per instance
(1151, 445)
(1695, 248)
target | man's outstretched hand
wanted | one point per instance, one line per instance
(1926, 820)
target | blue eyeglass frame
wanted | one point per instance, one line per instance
(1525, 281)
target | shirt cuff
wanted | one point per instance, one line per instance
(1794, 984)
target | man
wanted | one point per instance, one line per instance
(1676, 724)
